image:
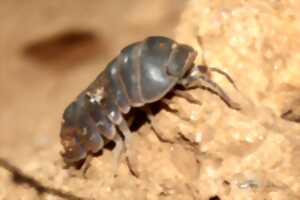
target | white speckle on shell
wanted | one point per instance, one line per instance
(97, 96)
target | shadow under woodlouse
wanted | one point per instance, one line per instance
(21, 178)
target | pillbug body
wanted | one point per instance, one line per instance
(143, 72)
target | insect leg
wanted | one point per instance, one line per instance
(166, 104)
(153, 125)
(187, 96)
(123, 127)
(212, 69)
(86, 165)
(202, 72)
(197, 79)
(117, 151)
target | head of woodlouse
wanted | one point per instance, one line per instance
(177, 57)
(182, 60)
(71, 130)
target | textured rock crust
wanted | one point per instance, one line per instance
(201, 152)
(254, 153)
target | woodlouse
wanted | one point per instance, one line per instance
(143, 72)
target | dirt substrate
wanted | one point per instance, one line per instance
(207, 151)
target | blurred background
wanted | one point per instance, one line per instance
(51, 50)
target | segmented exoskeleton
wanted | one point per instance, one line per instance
(144, 72)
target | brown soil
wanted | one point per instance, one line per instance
(50, 51)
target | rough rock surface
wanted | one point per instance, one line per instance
(206, 151)
(254, 153)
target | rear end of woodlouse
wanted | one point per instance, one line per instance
(143, 73)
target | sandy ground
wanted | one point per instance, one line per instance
(50, 51)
